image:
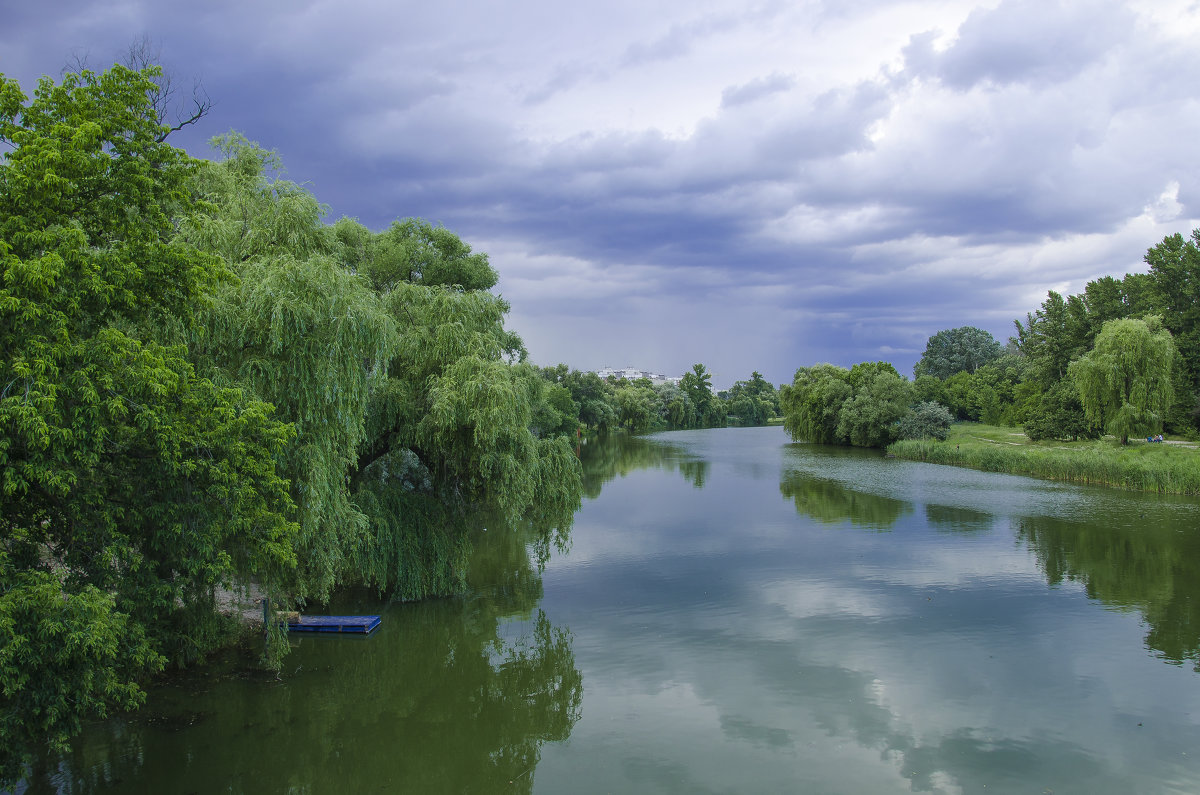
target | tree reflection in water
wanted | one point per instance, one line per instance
(830, 502)
(449, 695)
(1154, 569)
(619, 454)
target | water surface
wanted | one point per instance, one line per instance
(737, 613)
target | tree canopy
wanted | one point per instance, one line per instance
(963, 349)
(133, 487)
(1125, 380)
(203, 385)
(862, 406)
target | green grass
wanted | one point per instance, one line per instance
(1139, 466)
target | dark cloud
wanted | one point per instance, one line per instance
(1024, 41)
(775, 185)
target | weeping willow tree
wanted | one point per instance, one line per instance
(448, 426)
(1125, 381)
(388, 353)
(299, 331)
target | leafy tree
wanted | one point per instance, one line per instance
(132, 488)
(870, 418)
(813, 402)
(928, 388)
(926, 420)
(594, 397)
(752, 402)
(635, 407)
(1059, 415)
(956, 350)
(555, 414)
(413, 251)
(390, 356)
(861, 406)
(995, 387)
(697, 386)
(296, 329)
(1125, 382)
(1175, 284)
(961, 397)
(1051, 339)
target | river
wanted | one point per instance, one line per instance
(734, 613)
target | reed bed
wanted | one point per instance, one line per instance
(1140, 466)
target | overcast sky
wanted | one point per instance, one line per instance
(752, 185)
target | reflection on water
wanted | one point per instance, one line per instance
(452, 695)
(616, 455)
(956, 519)
(742, 626)
(829, 501)
(1154, 569)
(732, 643)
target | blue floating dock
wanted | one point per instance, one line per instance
(362, 625)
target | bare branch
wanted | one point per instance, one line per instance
(168, 110)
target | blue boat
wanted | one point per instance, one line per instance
(361, 625)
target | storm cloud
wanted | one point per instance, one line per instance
(757, 186)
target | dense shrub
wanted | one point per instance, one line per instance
(927, 420)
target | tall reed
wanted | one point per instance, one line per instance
(1139, 467)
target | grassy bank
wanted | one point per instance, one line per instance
(1141, 466)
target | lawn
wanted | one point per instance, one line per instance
(1172, 467)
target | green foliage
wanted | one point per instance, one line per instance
(178, 335)
(592, 394)
(870, 418)
(127, 479)
(956, 350)
(295, 330)
(554, 413)
(1063, 330)
(752, 402)
(826, 404)
(391, 359)
(1174, 287)
(635, 407)
(813, 401)
(1125, 382)
(1059, 415)
(64, 658)
(1162, 468)
(927, 420)
(706, 410)
(413, 251)
(1052, 337)
(927, 388)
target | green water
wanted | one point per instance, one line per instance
(737, 614)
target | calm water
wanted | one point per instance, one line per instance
(737, 613)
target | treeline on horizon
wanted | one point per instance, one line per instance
(1122, 357)
(588, 403)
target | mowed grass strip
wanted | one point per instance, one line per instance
(1165, 468)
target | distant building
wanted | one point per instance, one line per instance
(633, 374)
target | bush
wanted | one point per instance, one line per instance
(1059, 415)
(928, 420)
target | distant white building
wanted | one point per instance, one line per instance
(633, 374)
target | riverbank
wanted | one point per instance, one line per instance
(1165, 468)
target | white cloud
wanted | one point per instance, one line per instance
(853, 176)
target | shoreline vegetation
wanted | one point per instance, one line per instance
(1170, 468)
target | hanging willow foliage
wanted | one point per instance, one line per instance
(389, 356)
